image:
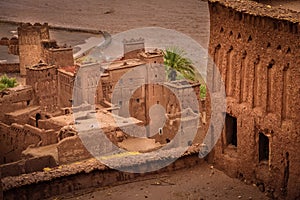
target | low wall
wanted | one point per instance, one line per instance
(9, 68)
(83, 176)
(15, 138)
(27, 166)
(71, 149)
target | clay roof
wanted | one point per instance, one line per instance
(125, 64)
(254, 8)
(151, 54)
(40, 65)
(69, 69)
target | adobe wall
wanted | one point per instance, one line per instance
(65, 88)
(48, 124)
(15, 138)
(87, 83)
(60, 57)
(21, 116)
(165, 96)
(132, 47)
(9, 68)
(12, 44)
(27, 166)
(30, 49)
(79, 176)
(256, 49)
(14, 99)
(71, 149)
(43, 79)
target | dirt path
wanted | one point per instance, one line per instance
(199, 182)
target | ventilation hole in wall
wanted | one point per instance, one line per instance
(279, 47)
(155, 75)
(160, 131)
(271, 64)
(249, 38)
(154, 61)
(240, 175)
(288, 50)
(291, 27)
(286, 67)
(240, 16)
(239, 36)
(37, 118)
(138, 100)
(157, 102)
(168, 140)
(214, 9)
(222, 30)
(275, 25)
(230, 33)
(244, 54)
(268, 45)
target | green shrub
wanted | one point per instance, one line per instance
(202, 91)
(6, 82)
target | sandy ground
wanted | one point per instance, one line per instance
(199, 182)
(189, 16)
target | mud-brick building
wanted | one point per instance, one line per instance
(256, 48)
(43, 79)
(34, 44)
(30, 48)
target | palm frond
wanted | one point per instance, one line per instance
(175, 58)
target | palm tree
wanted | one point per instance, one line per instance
(175, 61)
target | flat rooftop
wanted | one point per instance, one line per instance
(70, 70)
(125, 64)
(104, 118)
(40, 66)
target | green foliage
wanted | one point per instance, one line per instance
(6, 82)
(175, 60)
(202, 91)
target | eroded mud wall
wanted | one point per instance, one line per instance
(257, 54)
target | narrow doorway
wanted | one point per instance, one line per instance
(263, 147)
(231, 130)
(37, 118)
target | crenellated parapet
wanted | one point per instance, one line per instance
(133, 46)
(33, 33)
